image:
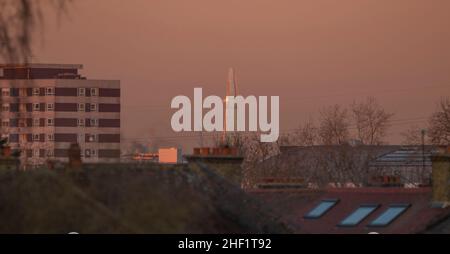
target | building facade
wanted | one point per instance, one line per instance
(47, 107)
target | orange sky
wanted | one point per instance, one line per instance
(310, 53)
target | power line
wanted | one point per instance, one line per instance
(196, 135)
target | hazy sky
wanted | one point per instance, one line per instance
(310, 53)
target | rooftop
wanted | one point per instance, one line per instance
(382, 210)
(406, 156)
(41, 66)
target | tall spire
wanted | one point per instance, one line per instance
(232, 90)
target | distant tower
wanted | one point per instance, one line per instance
(232, 90)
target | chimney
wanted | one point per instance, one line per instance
(225, 161)
(441, 178)
(74, 153)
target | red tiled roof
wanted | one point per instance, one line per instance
(294, 204)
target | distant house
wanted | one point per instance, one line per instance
(317, 165)
(383, 209)
(344, 165)
(409, 166)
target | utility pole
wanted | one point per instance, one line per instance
(423, 152)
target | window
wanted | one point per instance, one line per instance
(6, 92)
(81, 106)
(81, 91)
(22, 123)
(50, 137)
(36, 107)
(94, 122)
(321, 208)
(5, 107)
(1, 72)
(81, 122)
(50, 153)
(393, 212)
(88, 153)
(91, 137)
(358, 215)
(5, 123)
(94, 92)
(36, 91)
(50, 107)
(36, 137)
(50, 91)
(36, 153)
(36, 122)
(93, 107)
(50, 122)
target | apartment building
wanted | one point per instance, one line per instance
(47, 107)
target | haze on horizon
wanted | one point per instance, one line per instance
(310, 53)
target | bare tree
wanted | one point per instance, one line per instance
(334, 125)
(255, 152)
(439, 130)
(306, 134)
(371, 121)
(18, 21)
(286, 139)
(413, 136)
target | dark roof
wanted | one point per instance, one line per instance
(295, 204)
(129, 198)
(442, 226)
(408, 156)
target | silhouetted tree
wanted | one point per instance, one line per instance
(439, 130)
(306, 134)
(18, 21)
(334, 125)
(413, 136)
(371, 121)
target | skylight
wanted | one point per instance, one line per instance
(358, 215)
(393, 212)
(321, 209)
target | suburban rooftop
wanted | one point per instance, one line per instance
(40, 66)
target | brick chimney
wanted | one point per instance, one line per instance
(441, 179)
(74, 153)
(224, 161)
